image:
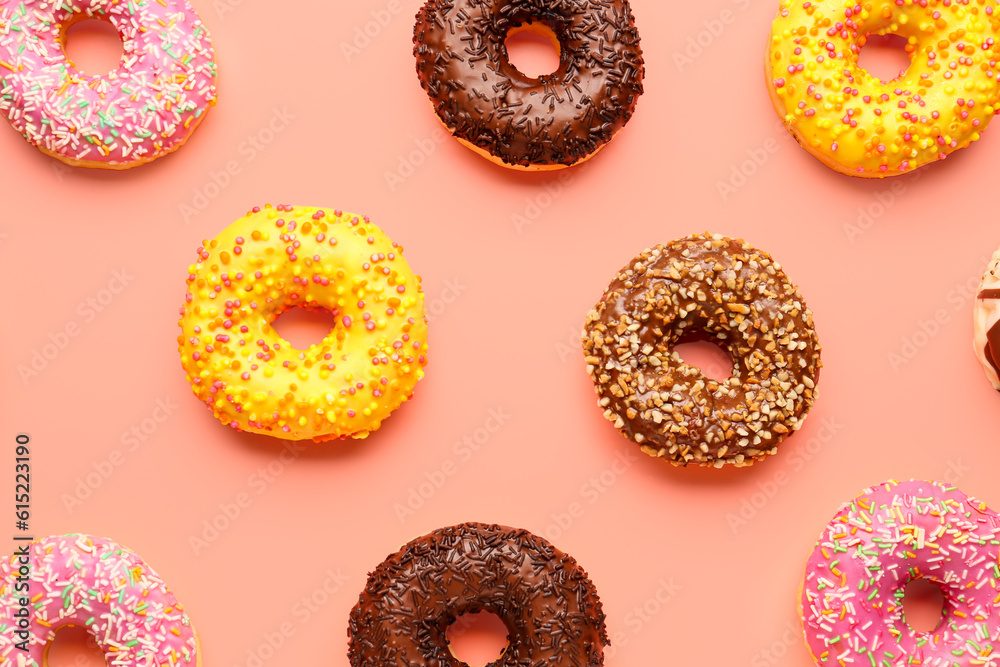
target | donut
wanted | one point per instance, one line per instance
(282, 257)
(546, 600)
(986, 322)
(96, 584)
(142, 110)
(517, 121)
(860, 126)
(895, 532)
(710, 288)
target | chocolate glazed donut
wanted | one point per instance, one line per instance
(551, 122)
(549, 605)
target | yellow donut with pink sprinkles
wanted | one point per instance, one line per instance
(280, 257)
(861, 126)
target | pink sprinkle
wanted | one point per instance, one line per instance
(347, 320)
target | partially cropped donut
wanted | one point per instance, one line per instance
(96, 584)
(549, 122)
(145, 108)
(544, 598)
(281, 257)
(858, 125)
(713, 288)
(891, 534)
(986, 322)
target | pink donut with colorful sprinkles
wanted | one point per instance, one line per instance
(97, 584)
(142, 110)
(891, 534)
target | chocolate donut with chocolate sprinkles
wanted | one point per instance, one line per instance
(986, 322)
(712, 288)
(550, 122)
(546, 600)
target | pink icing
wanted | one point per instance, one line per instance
(138, 112)
(892, 533)
(94, 583)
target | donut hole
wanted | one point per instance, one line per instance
(884, 57)
(923, 605)
(93, 46)
(709, 356)
(73, 646)
(304, 327)
(477, 639)
(533, 49)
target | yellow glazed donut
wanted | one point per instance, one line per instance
(858, 125)
(282, 257)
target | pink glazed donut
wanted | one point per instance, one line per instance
(96, 584)
(852, 596)
(142, 110)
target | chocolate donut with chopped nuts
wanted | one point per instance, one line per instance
(549, 605)
(522, 122)
(713, 288)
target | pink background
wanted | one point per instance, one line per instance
(691, 564)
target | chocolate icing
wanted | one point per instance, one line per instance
(718, 289)
(993, 347)
(556, 119)
(549, 605)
